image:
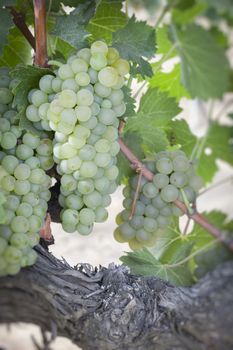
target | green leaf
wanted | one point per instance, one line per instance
(204, 67)
(28, 77)
(180, 134)
(155, 111)
(170, 82)
(16, 51)
(181, 16)
(219, 147)
(108, 18)
(211, 253)
(6, 23)
(129, 102)
(69, 29)
(164, 44)
(223, 6)
(134, 41)
(142, 262)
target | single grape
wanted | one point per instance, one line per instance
(164, 165)
(169, 193)
(181, 163)
(178, 179)
(160, 180)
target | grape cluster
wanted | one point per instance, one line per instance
(174, 179)
(81, 104)
(24, 184)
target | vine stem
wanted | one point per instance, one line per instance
(41, 58)
(198, 218)
(19, 21)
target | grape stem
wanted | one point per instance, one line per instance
(136, 194)
(198, 218)
(19, 21)
(41, 58)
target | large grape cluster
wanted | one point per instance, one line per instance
(174, 179)
(24, 184)
(81, 104)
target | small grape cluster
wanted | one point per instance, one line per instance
(24, 184)
(174, 179)
(82, 104)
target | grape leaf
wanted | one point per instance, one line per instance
(28, 77)
(170, 82)
(16, 51)
(142, 262)
(214, 252)
(223, 6)
(164, 44)
(6, 23)
(107, 19)
(135, 41)
(180, 134)
(129, 102)
(181, 16)
(69, 29)
(218, 150)
(155, 111)
(204, 67)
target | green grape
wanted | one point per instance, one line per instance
(90, 123)
(73, 202)
(22, 187)
(112, 55)
(39, 97)
(8, 140)
(166, 211)
(69, 227)
(116, 97)
(12, 255)
(83, 113)
(106, 200)
(127, 231)
(19, 240)
(84, 229)
(99, 47)
(160, 180)
(35, 223)
(98, 61)
(101, 90)
(65, 71)
(169, 193)
(31, 198)
(158, 202)
(164, 165)
(92, 200)
(151, 211)
(79, 65)
(181, 163)
(56, 84)
(84, 97)
(45, 83)
(150, 224)
(37, 176)
(3, 245)
(19, 224)
(122, 66)
(196, 183)
(144, 199)
(12, 202)
(149, 190)
(189, 193)
(33, 162)
(82, 79)
(106, 103)
(176, 211)
(74, 163)
(22, 172)
(142, 235)
(4, 125)
(99, 129)
(23, 152)
(8, 183)
(178, 179)
(5, 95)
(70, 84)
(86, 186)
(68, 182)
(102, 185)
(85, 54)
(134, 244)
(93, 74)
(108, 76)
(87, 152)
(118, 236)
(88, 169)
(67, 98)
(101, 214)
(107, 116)
(86, 216)
(111, 172)
(136, 222)
(31, 140)
(102, 159)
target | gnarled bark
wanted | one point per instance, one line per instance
(112, 309)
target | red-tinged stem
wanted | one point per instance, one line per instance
(41, 57)
(198, 218)
(19, 21)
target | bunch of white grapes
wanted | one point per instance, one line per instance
(82, 104)
(174, 179)
(24, 184)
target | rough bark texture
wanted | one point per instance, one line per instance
(112, 309)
